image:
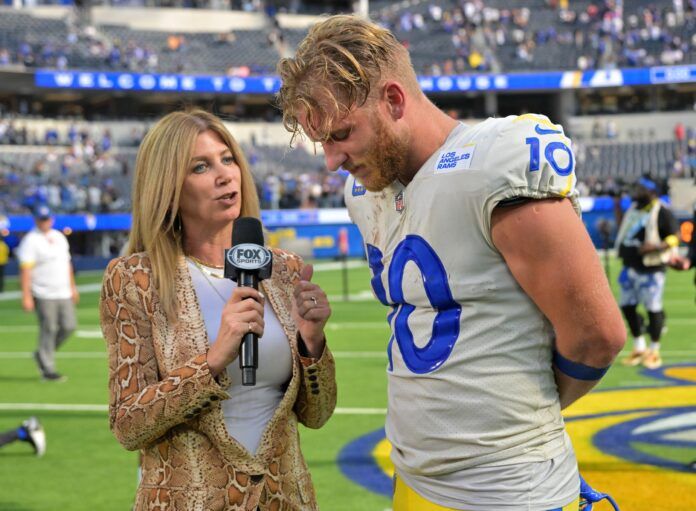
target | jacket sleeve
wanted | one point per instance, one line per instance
(143, 406)
(316, 398)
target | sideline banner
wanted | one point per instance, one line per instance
(321, 226)
(266, 85)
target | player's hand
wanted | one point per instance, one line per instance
(679, 263)
(243, 313)
(311, 311)
(28, 303)
(75, 295)
(648, 247)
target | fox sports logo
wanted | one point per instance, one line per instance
(248, 256)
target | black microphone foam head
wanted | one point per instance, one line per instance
(247, 229)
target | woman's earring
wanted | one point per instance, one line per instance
(177, 224)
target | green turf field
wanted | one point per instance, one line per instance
(86, 469)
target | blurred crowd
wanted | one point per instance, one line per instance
(685, 159)
(477, 36)
(603, 33)
(320, 189)
(85, 170)
(77, 174)
(292, 6)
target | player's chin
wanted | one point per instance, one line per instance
(376, 184)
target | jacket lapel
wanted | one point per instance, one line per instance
(192, 326)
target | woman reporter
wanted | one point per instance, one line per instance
(173, 326)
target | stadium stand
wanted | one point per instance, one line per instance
(444, 37)
(68, 41)
(42, 158)
(494, 36)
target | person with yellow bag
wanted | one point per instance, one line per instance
(647, 241)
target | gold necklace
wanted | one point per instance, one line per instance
(203, 263)
(205, 274)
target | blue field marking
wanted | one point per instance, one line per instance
(358, 464)
(659, 374)
(617, 440)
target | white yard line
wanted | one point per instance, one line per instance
(96, 286)
(102, 354)
(89, 334)
(379, 353)
(94, 330)
(357, 326)
(338, 265)
(360, 411)
(83, 288)
(65, 354)
(56, 407)
(361, 296)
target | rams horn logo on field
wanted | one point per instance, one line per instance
(638, 444)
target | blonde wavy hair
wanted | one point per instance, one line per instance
(160, 169)
(335, 68)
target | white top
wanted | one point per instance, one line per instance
(48, 257)
(469, 374)
(249, 408)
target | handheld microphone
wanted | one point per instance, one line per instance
(247, 263)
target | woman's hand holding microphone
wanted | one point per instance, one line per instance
(243, 313)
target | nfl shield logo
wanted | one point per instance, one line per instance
(399, 201)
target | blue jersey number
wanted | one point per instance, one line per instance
(549, 155)
(445, 329)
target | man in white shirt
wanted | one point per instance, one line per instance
(48, 287)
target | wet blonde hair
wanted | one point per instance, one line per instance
(160, 170)
(336, 66)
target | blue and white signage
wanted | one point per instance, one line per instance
(548, 80)
(156, 82)
(551, 80)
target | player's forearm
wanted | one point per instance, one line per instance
(670, 241)
(578, 370)
(571, 389)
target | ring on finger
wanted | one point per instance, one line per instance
(313, 298)
(249, 325)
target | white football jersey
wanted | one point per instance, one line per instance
(470, 377)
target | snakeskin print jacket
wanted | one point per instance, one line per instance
(164, 401)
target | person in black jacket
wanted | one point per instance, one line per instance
(647, 241)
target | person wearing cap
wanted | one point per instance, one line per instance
(48, 287)
(646, 242)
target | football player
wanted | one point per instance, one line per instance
(500, 311)
(647, 241)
